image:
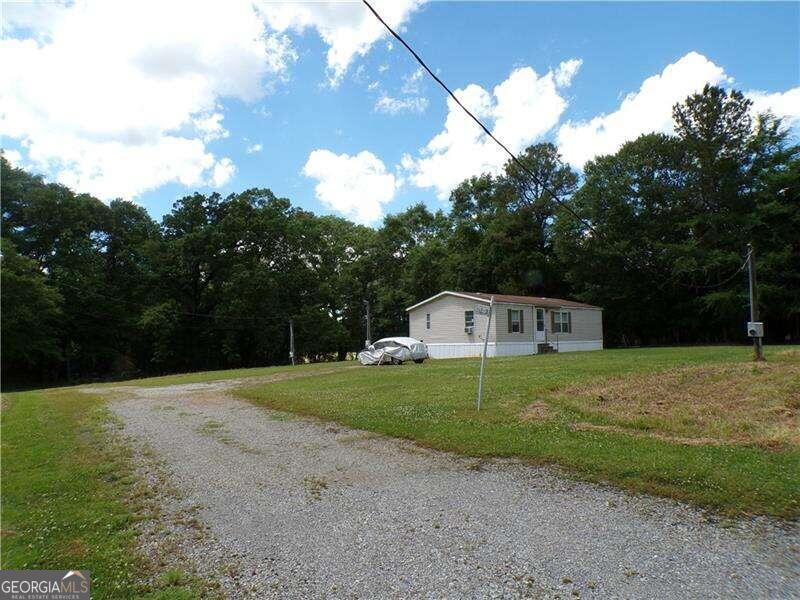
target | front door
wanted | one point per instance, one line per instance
(538, 331)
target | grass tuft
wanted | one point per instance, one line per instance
(315, 486)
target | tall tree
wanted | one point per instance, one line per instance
(633, 199)
(31, 316)
(503, 226)
(409, 264)
(776, 200)
(539, 196)
(672, 216)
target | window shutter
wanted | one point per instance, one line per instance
(521, 321)
(509, 320)
(569, 322)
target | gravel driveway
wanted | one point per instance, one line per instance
(290, 507)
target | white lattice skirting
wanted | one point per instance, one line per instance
(506, 348)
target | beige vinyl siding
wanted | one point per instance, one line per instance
(447, 321)
(528, 322)
(587, 325)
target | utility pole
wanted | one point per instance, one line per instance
(291, 340)
(754, 327)
(369, 325)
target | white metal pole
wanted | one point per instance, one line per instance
(483, 356)
(369, 324)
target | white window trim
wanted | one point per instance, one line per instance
(559, 322)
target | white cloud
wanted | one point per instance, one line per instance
(410, 101)
(137, 89)
(348, 28)
(360, 73)
(781, 104)
(645, 111)
(13, 157)
(566, 71)
(527, 107)
(223, 172)
(413, 82)
(520, 110)
(209, 126)
(395, 106)
(356, 186)
(253, 148)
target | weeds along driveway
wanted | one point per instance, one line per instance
(298, 508)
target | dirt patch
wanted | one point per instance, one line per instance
(709, 404)
(538, 411)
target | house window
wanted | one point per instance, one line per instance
(539, 319)
(516, 322)
(562, 321)
(427, 320)
(469, 319)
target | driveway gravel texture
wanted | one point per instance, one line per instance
(292, 507)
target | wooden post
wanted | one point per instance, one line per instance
(758, 348)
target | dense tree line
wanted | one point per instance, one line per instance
(95, 290)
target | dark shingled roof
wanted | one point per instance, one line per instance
(535, 300)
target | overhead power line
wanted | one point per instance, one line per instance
(514, 158)
(729, 279)
(711, 286)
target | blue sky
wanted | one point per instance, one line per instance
(363, 113)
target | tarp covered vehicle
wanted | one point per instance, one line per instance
(394, 351)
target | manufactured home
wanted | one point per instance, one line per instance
(453, 324)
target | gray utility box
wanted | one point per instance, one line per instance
(755, 329)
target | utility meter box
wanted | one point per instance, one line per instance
(755, 329)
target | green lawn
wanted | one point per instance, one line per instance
(69, 496)
(434, 404)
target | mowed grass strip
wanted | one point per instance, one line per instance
(434, 404)
(68, 498)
